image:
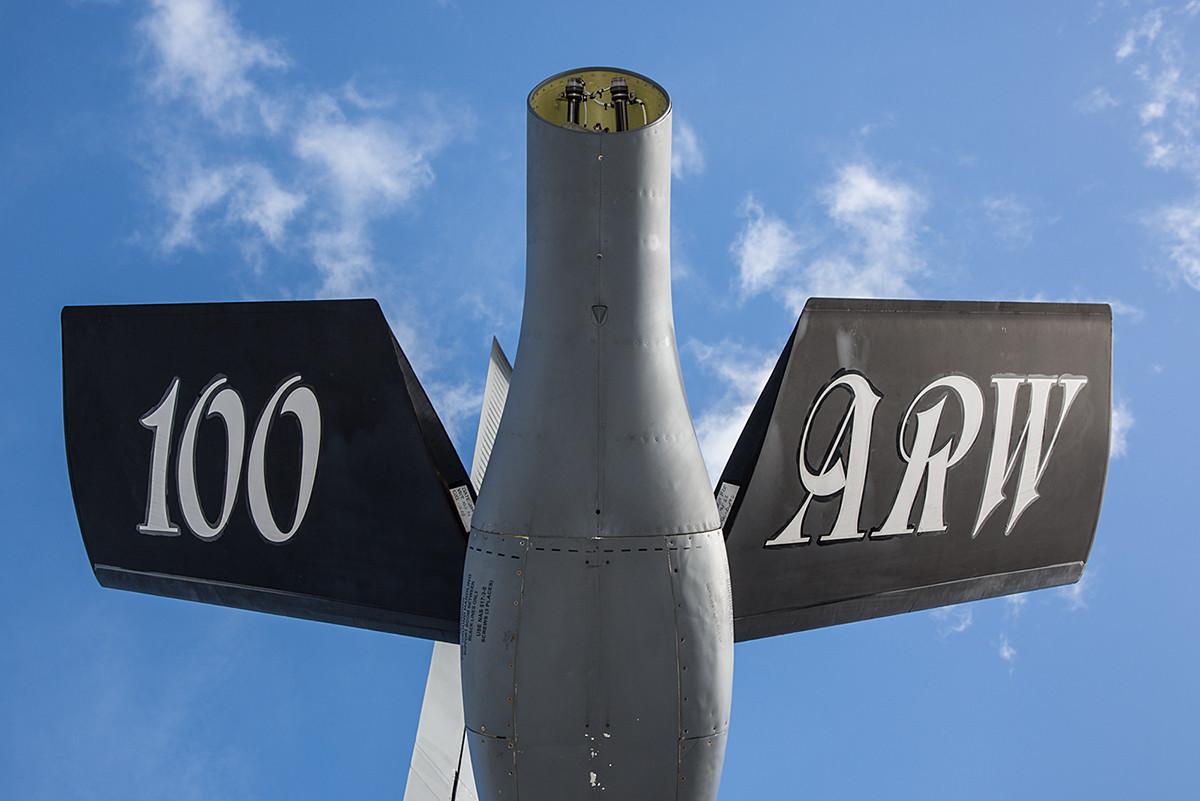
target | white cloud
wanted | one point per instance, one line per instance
(952, 619)
(226, 154)
(343, 255)
(253, 203)
(1148, 31)
(1015, 604)
(880, 254)
(458, 406)
(1120, 307)
(872, 251)
(686, 155)
(369, 168)
(203, 56)
(257, 200)
(743, 372)
(1178, 227)
(369, 163)
(1012, 221)
(1096, 100)
(188, 197)
(373, 100)
(1122, 421)
(766, 249)
(1007, 652)
(1076, 595)
(1169, 114)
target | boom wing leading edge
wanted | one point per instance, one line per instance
(910, 454)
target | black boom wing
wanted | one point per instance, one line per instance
(912, 454)
(280, 457)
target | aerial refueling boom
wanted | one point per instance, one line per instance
(585, 577)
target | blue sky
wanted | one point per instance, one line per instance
(197, 150)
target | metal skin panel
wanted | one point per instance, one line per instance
(596, 437)
(975, 511)
(376, 542)
(493, 584)
(495, 768)
(596, 468)
(700, 760)
(620, 661)
(704, 610)
(598, 647)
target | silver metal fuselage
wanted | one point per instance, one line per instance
(597, 636)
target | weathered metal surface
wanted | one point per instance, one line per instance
(601, 656)
(596, 417)
(601, 661)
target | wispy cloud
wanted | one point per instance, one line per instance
(1096, 100)
(251, 199)
(878, 254)
(1121, 308)
(952, 619)
(686, 156)
(1007, 652)
(367, 163)
(872, 249)
(1145, 32)
(458, 408)
(1011, 220)
(229, 152)
(201, 55)
(368, 168)
(1122, 421)
(1076, 595)
(766, 250)
(742, 372)
(1155, 49)
(1178, 229)
(1015, 604)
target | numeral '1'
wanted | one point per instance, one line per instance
(160, 420)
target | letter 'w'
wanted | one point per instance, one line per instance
(1002, 462)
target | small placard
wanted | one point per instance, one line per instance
(462, 501)
(725, 496)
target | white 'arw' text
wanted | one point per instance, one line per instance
(842, 471)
